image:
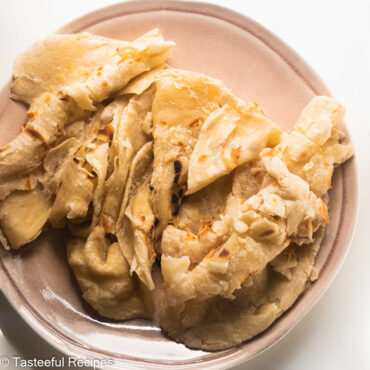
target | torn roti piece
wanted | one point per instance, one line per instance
(262, 227)
(86, 67)
(143, 81)
(130, 136)
(200, 210)
(316, 146)
(87, 166)
(136, 222)
(60, 86)
(133, 248)
(201, 225)
(103, 275)
(23, 215)
(20, 182)
(219, 323)
(182, 102)
(73, 197)
(56, 162)
(187, 104)
(95, 159)
(26, 152)
(84, 158)
(65, 75)
(284, 211)
(230, 136)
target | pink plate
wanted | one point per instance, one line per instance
(257, 66)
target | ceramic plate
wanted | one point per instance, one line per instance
(257, 66)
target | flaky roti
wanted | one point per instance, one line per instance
(150, 168)
(230, 136)
(201, 132)
(219, 323)
(254, 233)
(135, 225)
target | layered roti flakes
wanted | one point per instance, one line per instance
(142, 162)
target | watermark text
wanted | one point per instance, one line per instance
(55, 362)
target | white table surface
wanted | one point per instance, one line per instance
(334, 38)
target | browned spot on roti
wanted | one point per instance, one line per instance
(290, 249)
(266, 233)
(202, 158)
(34, 133)
(194, 123)
(224, 253)
(235, 154)
(31, 115)
(177, 165)
(190, 237)
(214, 250)
(205, 227)
(231, 163)
(4, 149)
(106, 132)
(27, 185)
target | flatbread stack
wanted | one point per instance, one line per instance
(140, 162)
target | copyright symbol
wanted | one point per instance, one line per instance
(4, 361)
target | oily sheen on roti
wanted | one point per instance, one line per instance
(141, 162)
